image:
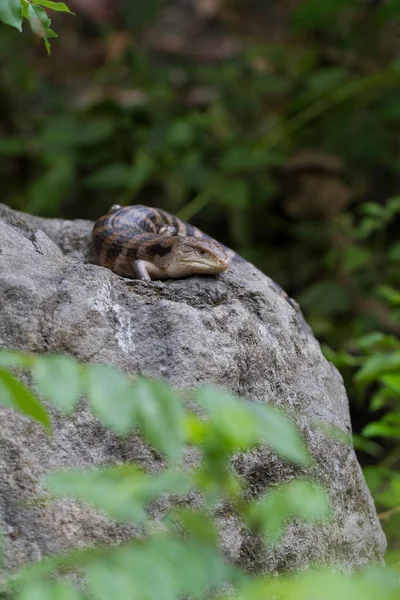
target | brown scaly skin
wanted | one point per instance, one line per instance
(148, 243)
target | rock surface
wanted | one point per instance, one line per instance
(234, 331)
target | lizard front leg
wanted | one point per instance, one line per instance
(139, 268)
(146, 270)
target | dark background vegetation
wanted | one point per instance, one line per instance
(274, 125)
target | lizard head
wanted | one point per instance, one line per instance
(193, 255)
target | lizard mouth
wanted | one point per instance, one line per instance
(224, 264)
(220, 266)
(209, 267)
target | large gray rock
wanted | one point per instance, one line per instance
(234, 331)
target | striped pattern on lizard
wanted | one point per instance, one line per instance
(149, 243)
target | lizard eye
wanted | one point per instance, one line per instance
(202, 252)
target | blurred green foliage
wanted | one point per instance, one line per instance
(179, 557)
(286, 151)
(371, 368)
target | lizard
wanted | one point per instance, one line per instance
(147, 243)
(141, 242)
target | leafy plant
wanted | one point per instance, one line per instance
(374, 362)
(181, 559)
(13, 12)
(186, 563)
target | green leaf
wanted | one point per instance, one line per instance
(380, 429)
(371, 342)
(39, 20)
(318, 584)
(298, 499)
(160, 415)
(51, 34)
(377, 477)
(382, 398)
(333, 432)
(392, 381)
(40, 23)
(199, 525)
(340, 359)
(46, 590)
(111, 176)
(244, 158)
(326, 298)
(390, 294)
(379, 365)
(392, 559)
(368, 226)
(123, 491)
(122, 176)
(56, 6)
(280, 433)
(232, 424)
(355, 258)
(158, 567)
(15, 359)
(59, 379)
(16, 395)
(180, 133)
(141, 171)
(367, 446)
(11, 13)
(392, 417)
(64, 134)
(236, 424)
(393, 207)
(388, 494)
(324, 80)
(47, 46)
(110, 394)
(25, 6)
(113, 579)
(372, 209)
(49, 189)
